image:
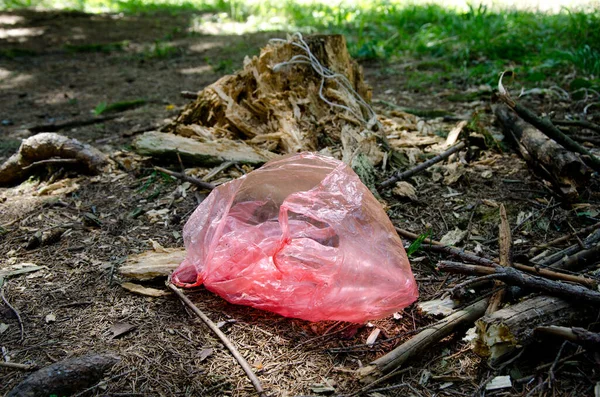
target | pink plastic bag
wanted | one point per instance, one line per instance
(302, 237)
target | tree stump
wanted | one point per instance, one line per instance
(279, 103)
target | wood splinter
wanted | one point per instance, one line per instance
(213, 327)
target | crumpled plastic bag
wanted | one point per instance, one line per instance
(301, 236)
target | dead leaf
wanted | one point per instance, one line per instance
(490, 203)
(204, 354)
(438, 307)
(141, 290)
(453, 237)
(50, 318)
(499, 382)
(120, 329)
(405, 189)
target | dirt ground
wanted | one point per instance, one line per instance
(58, 66)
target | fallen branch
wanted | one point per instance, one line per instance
(546, 127)
(407, 174)
(515, 277)
(420, 342)
(65, 377)
(44, 146)
(436, 246)
(580, 259)
(189, 95)
(213, 327)
(563, 255)
(562, 167)
(194, 181)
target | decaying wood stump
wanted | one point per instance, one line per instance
(564, 168)
(47, 148)
(279, 103)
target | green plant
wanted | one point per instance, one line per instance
(414, 247)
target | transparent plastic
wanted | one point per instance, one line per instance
(301, 236)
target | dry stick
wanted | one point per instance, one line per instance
(406, 174)
(550, 130)
(22, 367)
(577, 123)
(564, 238)
(426, 338)
(15, 311)
(436, 246)
(234, 352)
(191, 179)
(513, 276)
(505, 241)
(580, 259)
(565, 254)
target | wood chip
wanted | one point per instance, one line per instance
(120, 329)
(151, 264)
(499, 382)
(141, 290)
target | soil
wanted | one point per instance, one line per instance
(58, 66)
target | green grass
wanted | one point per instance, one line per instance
(450, 46)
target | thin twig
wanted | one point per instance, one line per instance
(50, 161)
(22, 367)
(555, 363)
(213, 327)
(201, 184)
(15, 311)
(407, 174)
(71, 124)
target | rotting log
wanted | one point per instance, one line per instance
(46, 146)
(65, 377)
(562, 167)
(501, 332)
(150, 265)
(423, 340)
(167, 146)
(279, 102)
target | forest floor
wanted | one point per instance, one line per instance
(58, 66)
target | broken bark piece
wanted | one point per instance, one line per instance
(420, 342)
(44, 146)
(502, 332)
(193, 152)
(564, 168)
(150, 265)
(65, 377)
(283, 101)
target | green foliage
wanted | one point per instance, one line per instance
(453, 46)
(103, 107)
(414, 247)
